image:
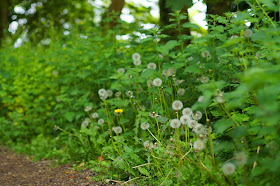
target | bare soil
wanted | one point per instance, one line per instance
(18, 170)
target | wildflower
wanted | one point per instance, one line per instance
(206, 54)
(241, 158)
(94, 115)
(129, 93)
(136, 56)
(204, 79)
(200, 99)
(100, 121)
(177, 105)
(197, 115)
(192, 124)
(88, 120)
(117, 129)
(137, 62)
(157, 82)
(118, 94)
(199, 129)
(151, 66)
(248, 32)
(109, 93)
(228, 168)
(187, 111)
(102, 92)
(198, 145)
(148, 144)
(121, 70)
(181, 91)
(145, 126)
(118, 111)
(55, 72)
(88, 108)
(84, 123)
(175, 123)
(185, 119)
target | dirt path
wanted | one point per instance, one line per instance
(18, 170)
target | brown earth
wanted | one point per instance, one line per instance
(18, 170)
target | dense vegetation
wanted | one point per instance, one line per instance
(187, 111)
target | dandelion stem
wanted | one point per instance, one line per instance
(154, 136)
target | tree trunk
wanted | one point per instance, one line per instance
(218, 7)
(3, 19)
(113, 12)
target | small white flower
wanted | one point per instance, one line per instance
(102, 92)
(137, 62)
(228, 168)
(199, 145)
(121, 70)
(136, 56)
(157, 82)
(94, 115)
(145, 126)
(204, 79)
(88, 108)
(200, 99)
(109, 93)
(177, 105)
(206, 54)
(129, 93)
(185, 119)
(100, 121)
(248, 32)
(117, 129)
(181, 91)
(151, 66)
(175, 123)
(197, 115)
(84, 123)
(241, 158)
(187, 111)
(199, 129)
(192, 124)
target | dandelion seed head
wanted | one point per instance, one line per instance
(197, 115)
(178, 174)
(88, 120)
(102, 92)
(136, 56)
(241, 158)
(187, 111)
(199, 129)
(181, 91)
(88, 108)
(121, 70)
(185, 119)
(157, 82)
(129, 93)
(109, 93)
(204, 79)
(192, 124)
(228, 168)
(137, 62)
(103, 97)
(117, 129)
(55, 73)
(94, 115)
(190, 58)
(219, 99)
(85, 123)
(177, 105)
(148, 145)
(248, 32)
(145, 126)
(200, 99)
(175, 123)
(206, 54)
(118, 94)
(151, 66)
(198, 145)
(100, 121)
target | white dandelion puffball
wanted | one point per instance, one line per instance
(199, 129)
(148, 144)
(177, 105)
(118, 94)
(84, 123)
(248, 32)
(197, 115)
(192, 124)
(241, 158)
(171, 72)
(190, 58)
(94, 115)
(175, 123)
(204, 79)
(129, 93)
(100, 121)
(103, 97)
(198, 145)
(55, 72)
(145, 126)
(228, 168)
(150, 83)
(109, 93)
(88, 120)
(187, 111)
(117, 129)
(185, 119)
(137, 62)
(164, 73)
(102, 92)
(200, 99)
(157, 82)
(181, 91)
(206, 54)
(219, 99)
(136, 56)
(153, 114)
(88, 108)
(121, 70)
(151, 66)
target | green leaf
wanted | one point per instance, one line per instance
(144, 171)
(191, 25)
(222, 125)
(178, 4)
(69, 116)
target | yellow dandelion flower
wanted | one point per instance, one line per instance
(118, 111)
